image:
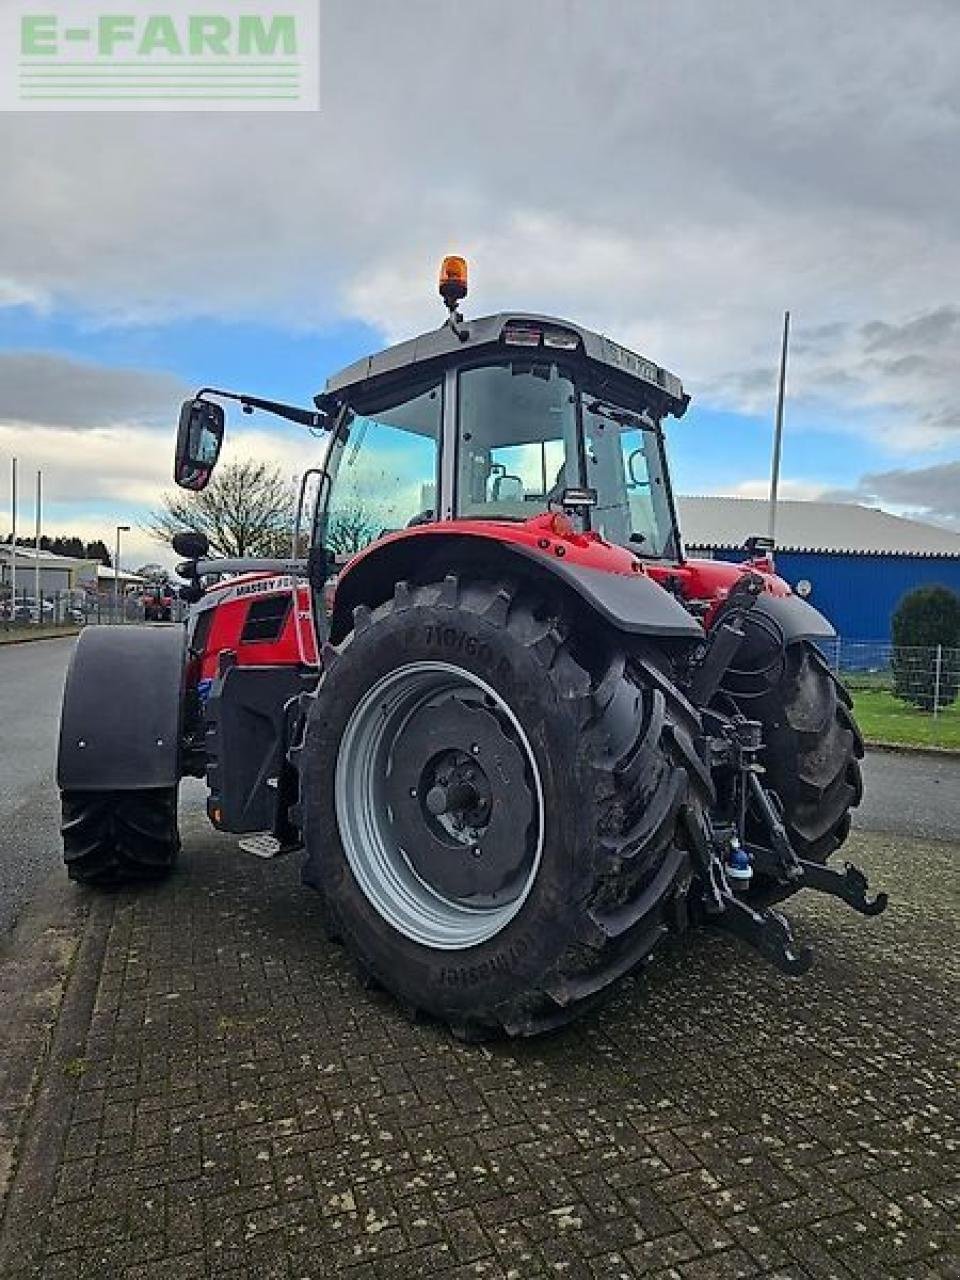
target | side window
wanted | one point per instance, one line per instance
(387, 472)
(623, 465)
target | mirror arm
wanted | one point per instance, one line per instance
(293, 413)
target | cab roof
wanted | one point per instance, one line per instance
(489, 334)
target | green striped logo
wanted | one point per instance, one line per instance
(116, 55)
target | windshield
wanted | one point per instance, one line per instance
(625, 466)
(518, 431)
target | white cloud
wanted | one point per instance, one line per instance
(14, 293)
(804, 490)
(677, 180)
(123, 470)
(672, 180)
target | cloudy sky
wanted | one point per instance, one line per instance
(673, 173)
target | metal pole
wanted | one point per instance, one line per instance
(13, 546)
(121, 528)
(936, 681)
(36, 552)
(778, 430)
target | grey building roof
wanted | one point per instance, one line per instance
(720, 524)
(28, 556)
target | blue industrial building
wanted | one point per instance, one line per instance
(859, 562)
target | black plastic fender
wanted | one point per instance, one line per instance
(634, 604)
(770, 626)
(120, 726)
(797, 619)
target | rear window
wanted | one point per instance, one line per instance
(265, 618)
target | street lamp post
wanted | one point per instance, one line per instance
(121, 528)
(13, 543)
(37, 593)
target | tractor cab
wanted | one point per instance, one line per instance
(504, 419)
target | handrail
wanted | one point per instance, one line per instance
(250, 564)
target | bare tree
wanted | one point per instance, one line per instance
(350, 529)
(246, 510)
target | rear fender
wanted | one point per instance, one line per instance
(630, 603)
(120, 726)
(797, 619)
(792, 620)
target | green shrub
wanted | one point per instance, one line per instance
(926, 618)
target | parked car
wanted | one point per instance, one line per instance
(26, 609)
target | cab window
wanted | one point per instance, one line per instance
(386, 477)
(517, 438)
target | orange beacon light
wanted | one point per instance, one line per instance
(453, 280)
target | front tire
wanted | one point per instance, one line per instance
(489, 809)
(117, 837)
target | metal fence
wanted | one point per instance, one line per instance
(67, 609)
(923, 678)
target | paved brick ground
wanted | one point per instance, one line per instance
(221, 1098)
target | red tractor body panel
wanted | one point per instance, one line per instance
(705, 582)
(710, 581)
(550, 534)
(283, 636)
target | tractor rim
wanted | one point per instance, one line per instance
(439, 804)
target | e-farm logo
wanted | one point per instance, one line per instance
(159, 55)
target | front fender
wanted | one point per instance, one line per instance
(120, 725)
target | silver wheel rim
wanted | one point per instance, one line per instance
(379, 864)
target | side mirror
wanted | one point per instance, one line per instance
(758, 545)
(199, 439)
(190, 544)
(637, 482)
(578, 499)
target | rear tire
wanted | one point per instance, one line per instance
(116, 837)
(592, 761)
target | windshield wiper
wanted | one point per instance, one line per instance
(623, 417)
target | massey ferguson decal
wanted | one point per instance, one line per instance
(262, 586)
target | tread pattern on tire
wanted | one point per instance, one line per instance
(636, 735)
(115, 837)
(813, 751)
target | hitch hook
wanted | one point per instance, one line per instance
(850, 885)
(767, 932)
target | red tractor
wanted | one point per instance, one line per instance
(158, 602)
(526, 737)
